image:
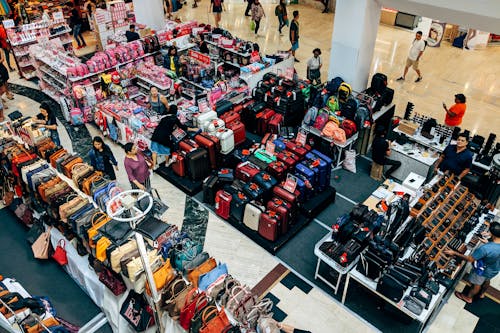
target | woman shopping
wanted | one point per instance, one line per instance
(47, 119)
(158, 102)
(137, 168)
(102, 158)
(257, 14)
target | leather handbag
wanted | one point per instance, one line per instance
(215, 324)
(162, 277)
(115, 230)
(241, 300)
(60, 253)
(263, 308)
(79, 170)
(98, 220)
(119, 252)
(194, 301)
(267, 324)
(194, 275)
(137, 312)
(197, 320)
(100, 249)
(207, 279)
(175, 295)
(197, 261)
(134, 267)
(7, 193)
(112, 281)
(41, 246)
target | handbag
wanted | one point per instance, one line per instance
(137, 311)
(60, 253)
(194, 275)
(7, 194)
(207, 279)
(263, 308)
(162, 277)
(194, 301)
(214, 324)
(267, 324)
(41, 246)
(112, 281)
(158, 207)
(241, 300)
(175, 295)
(35, 231)
(119, 252)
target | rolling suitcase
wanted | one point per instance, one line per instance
(241, 155)
(239, 132)
(297, 149)
(277, 170)
(222, 106)
(310, 174)
(246, 171)
(280, 144)
(201, 119)
(275, 123)
(264, 156)
(284, 211)
(223, 204)
(212, 144)
(263, 118)
(266, 182)
(198, 164)
(230, 117)
(226, 138)
(211, 185)
(289, 158)
(379, 83)
(253, 191)
(261, 164)
(238, 205)
(214, 125)
(249, 115)
(283, 194)
(252, 215)
(188, 145)
(323, 172)
(269, 226)
(305, 188)
(179, 166)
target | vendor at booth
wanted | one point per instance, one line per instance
(456, 159)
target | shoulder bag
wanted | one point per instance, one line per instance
(41, 247)
(137, 312)
(194, 275)
(162, 277)
(175, 295)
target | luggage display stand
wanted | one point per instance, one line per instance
(186, 185)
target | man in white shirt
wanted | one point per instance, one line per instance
(314, 65)
(416, 50)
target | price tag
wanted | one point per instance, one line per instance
(290, 183)
(203, 58)
(203, 105)
(289, 73)
(58, 16)
(301, 138)
(270, 146)
(9, 24)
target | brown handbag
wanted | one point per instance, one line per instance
(55, 156)
(162, 277)
(194, 274)
(79, 170)
(44, 186)
(67, 168)
(174, 297)
(41, 246)
(7, 193)
(87, 183)
(55, 189)
(73, 204)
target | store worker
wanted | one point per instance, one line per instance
(131, 34)
(137, 168)
(456, 159)
(157, 102)
(486, 259)
(314, 65)
(456, 112)
(416, 50)
(47, 119)
(4, 44)
(203, 45)
(102, 158)
(171, 60)
(381, 150)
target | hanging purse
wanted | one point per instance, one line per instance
(60, 253)
(41, 246)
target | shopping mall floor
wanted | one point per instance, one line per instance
(300, 301)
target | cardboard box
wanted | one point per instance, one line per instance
(408, 127)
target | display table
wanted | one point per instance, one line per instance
(279, 68)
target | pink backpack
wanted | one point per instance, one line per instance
(321, 120)
(329, 129)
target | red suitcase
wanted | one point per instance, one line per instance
(298, 149)
(179, 166)
(289, 158)
(285, 215)
(212, 144)
(238, 129)
(188, 145)
(277, 169)
(283, 194)
(223, 204)
(263, 118)
(230, 117)
(238, 108)
(245, 171)
(269, 226)
(275, 123)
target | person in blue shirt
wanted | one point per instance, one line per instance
(486, 259)
(102, 158)
(456, 159)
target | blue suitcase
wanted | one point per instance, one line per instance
(322, 170)
(280, 144)
(304, 186)
(311, 175)
(303, 189)
(267, 182)
(238, 202)
(253, 191)
(328, 161)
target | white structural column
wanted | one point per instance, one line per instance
(150, 13)
(354, 32)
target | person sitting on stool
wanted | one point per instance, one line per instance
(456, 159)
(381, 150)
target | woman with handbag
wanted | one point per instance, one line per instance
(102, 158)
(47, 119)
(137, 168)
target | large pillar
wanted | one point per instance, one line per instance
(150, 13)
(354, 32)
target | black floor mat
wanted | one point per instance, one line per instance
(186, 185)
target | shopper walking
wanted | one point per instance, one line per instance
(249, 7)
(456, 159)
(456, 112)
(102, 158)
(158, 102)
(4, 44)
(294, 33)
(76, 24)
(47, 119)
(486, 259)
(217, 6)
(137, 168)
(381, 150)
(280, 11)
(314, 65)
(257, 14)
(4, 79)
(416, 50)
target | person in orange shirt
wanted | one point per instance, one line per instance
(456, 112)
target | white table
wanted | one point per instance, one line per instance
(414, 181)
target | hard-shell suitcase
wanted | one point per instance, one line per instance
(238, 205)
(223, 203)
(280, 144)
(269, 226)
(226, 138)
(222, 106)
(277, 170)
(246, 171)
(324, 157)
(211, 185)
(281, 193)
(241, 155)
(252, 215)
(305, 187)
(310, 174)
(239, 132)
(265, 180)
(275, 123)
(261, 164)
(263, 118)
(214, 125)
(201, 119)
(212, 144)
(230, 117)
(249, 115)
(297, 149)
(198, 164)
(253, 191)
(286, 216)
(289, 158)
(179, 166)
(188, 145)
(264, 156)
(323, 170)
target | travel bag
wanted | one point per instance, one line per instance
(179, 165)
(391, 287)
(322, 171)
(310, 174)
(238, 204)
(285, 212)
(214, 125)
(241, 155)
(211, 185)
(187, 145)
(266, 181)
(230, 117)
(246, 171)
(263, 119)
(297, 149)
(226, 138)
(223, 204)
(305, 187)
(258, 162)
(289, 158)
(198, 164)
(283, 194)
(222, 106)
(212, 144)
(277, 169)
(252, 215)
(249, 115)
(201, 120)
(253, 191)
(379, 83)
(264, 156)
(269, 225)
(239, 132)
(274, 124)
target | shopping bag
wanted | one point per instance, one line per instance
(41, 246)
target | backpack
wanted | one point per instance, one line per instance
(277, 10)
(362, 117)
(329, 129)
(348, 109)
(349, 127)
(321, 120)
(76, 116)
(333, 85)
(310, 116)
(344, 92)
(339, 135)
(333, 104)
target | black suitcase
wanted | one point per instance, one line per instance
(222, 106)
(379, 83)
(211, 185)
(198, 164)
(238, 203)
(248, 116)
(391, 288)
(315, 205)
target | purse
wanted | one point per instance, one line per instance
(240, 302)
(112, 281)
(194, 301)
(119, 252)
(60, 253)
(41, 247)
(263, 308)
(162, 277)
(217, 323)
(267, 324)
(174, 296)
(207, 279)
(137, 311)
(194, 275)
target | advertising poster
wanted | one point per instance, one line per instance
(436, 34)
